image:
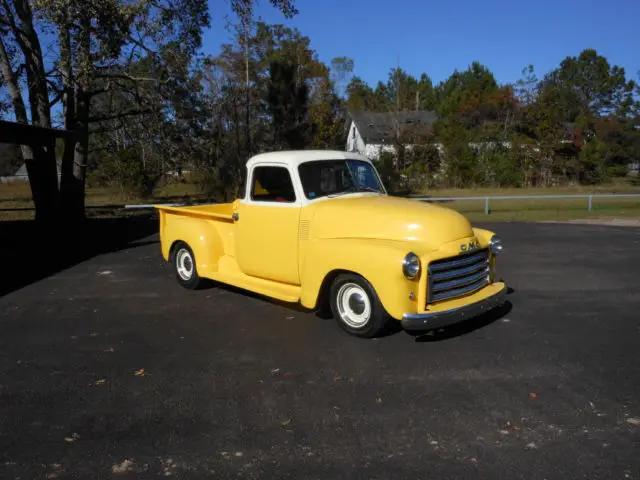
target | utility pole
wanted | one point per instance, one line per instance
(398, 85)
(246, 20)
(399, 161)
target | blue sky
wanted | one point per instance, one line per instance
(439, 37)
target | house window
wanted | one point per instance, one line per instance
(272, 184)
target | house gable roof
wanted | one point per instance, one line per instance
(379, 127)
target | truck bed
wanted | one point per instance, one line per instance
(221, 211)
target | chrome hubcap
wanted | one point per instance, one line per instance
(184, 264)
(354, 305)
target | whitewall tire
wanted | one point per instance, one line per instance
(184, 265)
(356, 306)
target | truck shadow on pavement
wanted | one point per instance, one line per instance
(467, 326)
(393, 327)
(29, 253)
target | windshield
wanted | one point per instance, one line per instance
(333, 177)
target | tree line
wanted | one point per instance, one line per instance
(578, 124)
(130, 80)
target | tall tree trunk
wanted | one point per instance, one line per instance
(236, 119)
(74, 196)
(246, 25)
(45, 156)
(38, 160)
(43, 162)
(29, 42)
(68, 187)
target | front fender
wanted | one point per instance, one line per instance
(378, 261)
(483, 236)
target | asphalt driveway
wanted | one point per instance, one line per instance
(108, 369)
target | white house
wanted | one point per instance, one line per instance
(371, 133)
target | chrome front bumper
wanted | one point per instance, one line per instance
(428, 321)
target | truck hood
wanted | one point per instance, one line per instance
(389, 218)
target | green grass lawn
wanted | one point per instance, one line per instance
(535, 209)
(546, 209)
(621, 187)
(18, 196)
(16, 203)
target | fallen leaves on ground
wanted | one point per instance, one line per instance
(533, 396)
(125, 466)
(139, 373)
(634, 421)
(108, 350)
(101, 381)
(72, 438)
(509, 426)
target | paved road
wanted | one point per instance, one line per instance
(110, 370)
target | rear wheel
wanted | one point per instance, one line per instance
(356, 306)
(184, 265)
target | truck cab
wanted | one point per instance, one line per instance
(319, 228)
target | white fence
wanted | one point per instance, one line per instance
(488, 199)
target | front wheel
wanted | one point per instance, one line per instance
(184, 265)
(356, 306)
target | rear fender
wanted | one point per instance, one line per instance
(202, 235)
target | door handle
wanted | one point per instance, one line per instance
(235, 216)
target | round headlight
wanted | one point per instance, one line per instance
(411, 266)
(495, 245)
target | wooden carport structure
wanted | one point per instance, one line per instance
(25, 134)
(41, 166)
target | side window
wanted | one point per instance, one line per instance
(272, 184)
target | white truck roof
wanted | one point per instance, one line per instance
(293, 158)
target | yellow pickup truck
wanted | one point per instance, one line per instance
(318, 228)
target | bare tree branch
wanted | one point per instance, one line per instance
(98, 91)
(117, 116)
(12, 84)
(57, 99)
(126, 76)
(141, 45)
(54, 86)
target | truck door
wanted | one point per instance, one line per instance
(267, 226)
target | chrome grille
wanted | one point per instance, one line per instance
(457, 276)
